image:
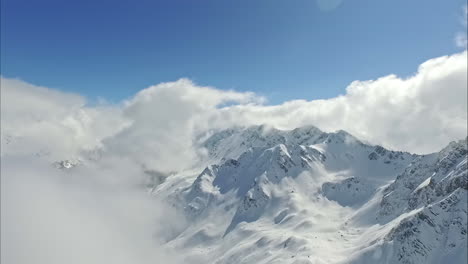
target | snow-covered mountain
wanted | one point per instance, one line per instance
(306, 196)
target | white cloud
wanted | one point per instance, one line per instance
(52, 122)
(420, 114)
(164, 118)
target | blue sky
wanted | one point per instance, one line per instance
(277, 48)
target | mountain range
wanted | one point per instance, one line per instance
(307, 196)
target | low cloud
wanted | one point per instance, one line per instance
(85, 215)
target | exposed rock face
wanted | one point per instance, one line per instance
(426, 180)
(66, 164)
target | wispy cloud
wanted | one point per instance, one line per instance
(328, 5)
(461, 37)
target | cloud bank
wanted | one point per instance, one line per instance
(84, 214)
(157, 126)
